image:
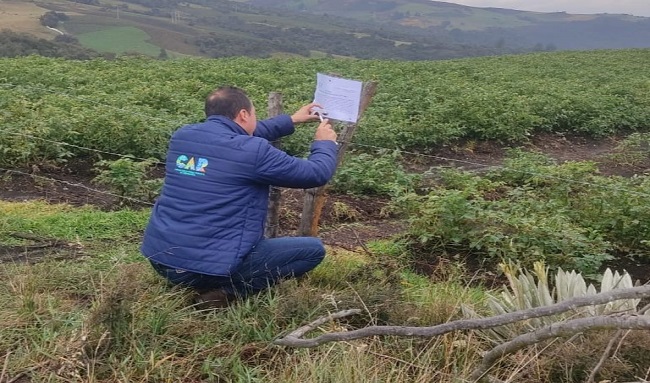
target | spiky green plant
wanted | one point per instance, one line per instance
(527, 290)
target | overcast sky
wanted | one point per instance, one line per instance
(633, 7)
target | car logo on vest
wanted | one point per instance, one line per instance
(190, 167)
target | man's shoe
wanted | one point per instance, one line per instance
(212, 299)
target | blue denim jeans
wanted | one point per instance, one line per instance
(270, 261)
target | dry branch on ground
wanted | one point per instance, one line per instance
(561, 329)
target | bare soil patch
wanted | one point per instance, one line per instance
(22, 16)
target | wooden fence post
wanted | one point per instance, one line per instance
(275, 193)
(315, 197)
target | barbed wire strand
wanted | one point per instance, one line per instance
(584, 183)
(74, 184)
(441, 158)
(80, 147)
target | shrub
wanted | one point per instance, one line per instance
(530, 209)
(633, 150)
(127, 178)
(381, 174)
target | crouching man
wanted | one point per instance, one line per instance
(206, 228)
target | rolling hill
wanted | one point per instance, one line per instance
(488, 26)
(395, 29)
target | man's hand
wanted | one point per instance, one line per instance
(324, 132)
(305, 114)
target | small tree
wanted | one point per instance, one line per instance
(163, 54)
(51, 19)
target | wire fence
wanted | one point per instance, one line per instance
(411, 153)
(74, 184)
(119, 155)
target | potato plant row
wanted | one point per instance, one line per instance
(130, 106)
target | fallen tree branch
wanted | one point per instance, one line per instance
(322, 320)
(562, 329)
(294, 339)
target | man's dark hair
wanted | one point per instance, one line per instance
(227, 101)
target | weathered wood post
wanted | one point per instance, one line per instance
(315, 197)
(275, 194)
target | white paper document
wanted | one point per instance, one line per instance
(340, 98)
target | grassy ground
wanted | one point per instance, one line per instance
(94, 310)
(160, 33)
(119, 40)
(91, 309)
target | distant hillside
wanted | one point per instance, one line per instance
(390, 29)
(220, 28)
(488, 26)
(563, 31)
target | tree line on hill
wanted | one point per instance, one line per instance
(14, 44)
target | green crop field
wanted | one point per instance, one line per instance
(119, 40)
(418, 104)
